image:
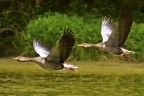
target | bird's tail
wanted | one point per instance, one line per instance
(127, 51)
(70, 67)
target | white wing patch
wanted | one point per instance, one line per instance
(40, 49)
(106, 28)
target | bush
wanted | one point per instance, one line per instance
(135, 40)
(49, 29)
(9, 42)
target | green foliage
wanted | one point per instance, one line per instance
(49, 29)
(13, 19)
(16, 14)
(135, 40)
(8, 45)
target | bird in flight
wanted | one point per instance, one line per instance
(53, 59)
(114, 36)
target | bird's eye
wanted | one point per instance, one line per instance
(19, 57)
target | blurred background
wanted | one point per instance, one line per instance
(23, 20)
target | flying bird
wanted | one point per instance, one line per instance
(53, 59)
(114, 36)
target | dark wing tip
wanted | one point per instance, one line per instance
(34, 41)
(105, 18)
(107, 21)
(69, 34)
(125, 22)
(126, 14)
(68, 31)
(125, 11)
(66, 43)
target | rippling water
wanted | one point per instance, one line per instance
(64, 84)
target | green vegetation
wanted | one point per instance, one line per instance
(21, 21)
(49, 28)
(93, 78)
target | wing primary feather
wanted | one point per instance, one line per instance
(124, 23)
(61, 51)
(66, 43)
(121, 30)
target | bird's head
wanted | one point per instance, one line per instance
(20, 58)
(84, 45)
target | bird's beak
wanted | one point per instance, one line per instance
(15, 58)
(80, 45)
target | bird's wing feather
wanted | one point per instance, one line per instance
(40, 48)
(113, 39)
(124, 24)
(106, 28)
(121, 30)
(61, 51)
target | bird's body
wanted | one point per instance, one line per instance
(53, 59)
(114, 36)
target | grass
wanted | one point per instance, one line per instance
(109, 78)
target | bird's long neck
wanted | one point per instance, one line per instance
(35, 59)
(99, 45)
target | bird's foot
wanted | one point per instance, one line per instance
(72, 69)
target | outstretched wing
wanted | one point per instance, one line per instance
(40, 48)
(121, 31)
(61, 51)
(124, 23)
(106, 28)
